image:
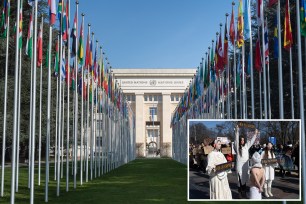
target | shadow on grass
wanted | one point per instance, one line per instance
(140, 181)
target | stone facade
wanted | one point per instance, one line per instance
(153, 95)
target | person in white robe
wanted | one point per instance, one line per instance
(219, 186)
(269, 169)
(257, 177)
(242, 167)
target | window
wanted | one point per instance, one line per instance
(152, 133)
(150, 97)
(155, 98)
(159, 98)
(146, 98)
(133, 98)
(177, 97)
(128, 97)
(153, 111)
(172, 97)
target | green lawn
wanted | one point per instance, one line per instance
(140, 181)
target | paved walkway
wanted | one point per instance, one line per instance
(282, 188)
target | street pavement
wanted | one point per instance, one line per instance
(282, 188)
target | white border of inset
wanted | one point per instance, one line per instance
(245, 120)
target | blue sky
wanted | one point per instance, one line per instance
(208, 124)
(154, 33)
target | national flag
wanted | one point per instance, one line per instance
(81, 48)
(259, 9)
(240, 26)
(220, 57)
(95, 67)
(52, 11)
(4, 20)
(258, 64)
(29, 43)
(20, 26)
(87, 58)
(266, 35)
(303, 17)
(212, 57)
(238, 71)
(73, 35)
(232, 28)
(205, 74)
(39, 46)
(272, 2)
(63, 70)
(225, 46)
(275, 39)
(247, 19)
(72, 77)
(64, 22)
(31, 2)
(91, 58)
(288, 40)
(60, 9)
(56, 59)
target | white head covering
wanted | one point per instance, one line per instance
(256, 159)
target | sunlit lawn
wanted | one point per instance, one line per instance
(140, 181)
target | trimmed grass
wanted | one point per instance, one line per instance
(140, 181)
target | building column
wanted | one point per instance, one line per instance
(140, 125)
(166, 135)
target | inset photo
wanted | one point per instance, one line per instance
(244, 160)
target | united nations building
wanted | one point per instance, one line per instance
(153, 95)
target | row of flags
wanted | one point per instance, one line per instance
(213, 69)
(93, 64)
(88, 74)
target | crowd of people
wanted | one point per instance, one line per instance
(254, 165)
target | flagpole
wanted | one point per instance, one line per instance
(100, 113)
(18, 122)
(76, 101)
(59, 110)
(92, 118)
(88, 82)
(5, 103)
(56, 124)
(241, 101)
(56, 119)
(291, 85)
(263, 61)
(48, 114)
(34, 105)
(31, 105)
(243, 83)
(252, 71)
(96, 107)
(269, 98)
(235, 70)
(63, 120)
(301, 91)
(260, 95)
(82, 112)
(96, 116)
(227, 74)
(15, 107)
(19, 37)
(280, 70)
(68, 99)
(40, 107)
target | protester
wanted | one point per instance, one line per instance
(269, 169)
(257, 177)
(219, 186)
(242, 161)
